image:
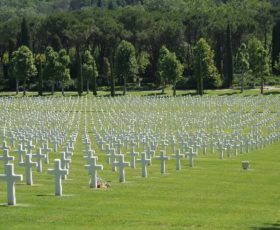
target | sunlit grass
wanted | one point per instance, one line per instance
(215, 194)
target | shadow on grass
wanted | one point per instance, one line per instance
(228, 94)
(268, 226)
(155, 94)
(272, 92)
(42, 195)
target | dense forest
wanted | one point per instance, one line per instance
(85, 44)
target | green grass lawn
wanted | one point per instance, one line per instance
(215, 194)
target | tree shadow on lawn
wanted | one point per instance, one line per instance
(272, 92)
(268, 226)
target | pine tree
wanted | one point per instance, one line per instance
(24, 37)
(229, 60)
(204, 67)
(275, 52)
(79, 72)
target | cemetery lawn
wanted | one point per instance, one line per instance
(215, 194)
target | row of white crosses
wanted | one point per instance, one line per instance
(223, 125)
(32, 137)
(141, 129)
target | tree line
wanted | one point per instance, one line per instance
(184, 43)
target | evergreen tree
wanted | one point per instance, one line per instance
(50, 70)
(56, 43)
(242, 65)
(170, 68)
(204, 67)
(63, 72)
(160, 76)
(5, 62)
(79, 72)
(275, 52)
(125, 64)
(143, 62)
(229, 60)
(253, 45)
(40, 59)
(90, 72)
(23, 66)
(24, 36)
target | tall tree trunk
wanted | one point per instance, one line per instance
(124, 86)
(262, 86)
(40, 83)
(87, 86)
(200, 80)
(112, 84)
(229, 62)
(79, 72)
(17, 86)
(52, 88)
(174, 89)
(94, 90)
(24, 87)
(242, 83)
(62, 88)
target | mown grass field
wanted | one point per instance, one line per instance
(215, 194)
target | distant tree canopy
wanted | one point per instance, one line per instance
(148, 25)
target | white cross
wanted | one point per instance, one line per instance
(58, 172)
(190, 154)
(113, 156)
(21, 152)
(150, 153)
(119, 147)
(6, 157)
(132, 158)
(162, 158)
(46, 150)
(92, 167)
(39, 157)
(10, 177)
(28, 164)
(121, 164)
(64, 163)
(221, 150)
(144, 162)
(29, 147)
(164, 144)
(178, 157)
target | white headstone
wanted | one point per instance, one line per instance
(28, 164)
(58, 172)
(121, 164)
(162, 158)
(10, 177)
(92, 167)
(144, 162)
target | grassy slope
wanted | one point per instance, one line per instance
(214, 194)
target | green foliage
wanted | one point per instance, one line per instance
(51, 66)
(24, 37)
(142, 62)
(229, 59)
(258, 59)
(277, 64)
(242, 60)
(125, 63)
(79, 73)
(40, 60)
(90, 72)
(204, 68)
(170, 69)
(242, 65)
(63, 71)
(275, 52)
(23, 65)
